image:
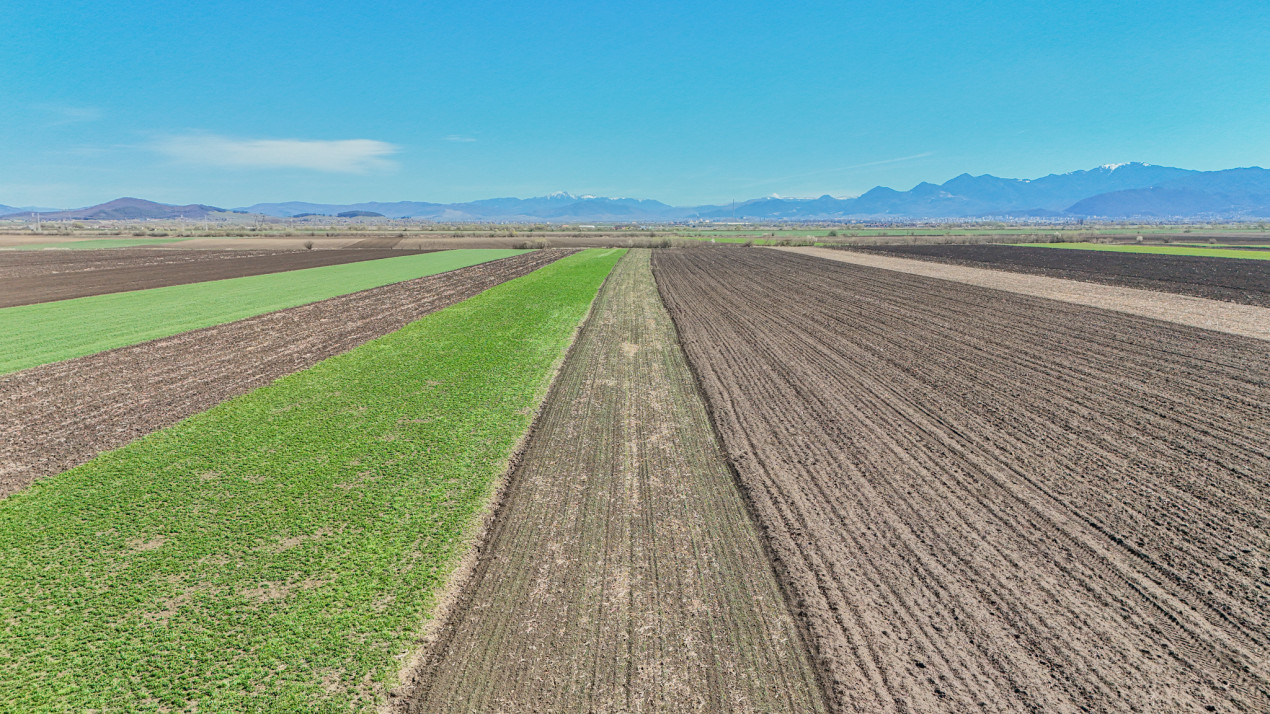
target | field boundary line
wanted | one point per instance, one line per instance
(454, 597)
(1214, 315)
(777, 566)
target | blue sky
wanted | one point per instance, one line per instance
(232, 103)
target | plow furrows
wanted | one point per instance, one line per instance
(988, 502)
(623, 572)
(57, 416)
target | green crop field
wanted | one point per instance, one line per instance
(31, 335)
(1157, 250)
(282, 550)
(1225, 245)
(99, 243)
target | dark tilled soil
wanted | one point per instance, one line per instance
(29, 277)
(1230, 279)
(623, 573)
(57, 416)
(989, 502)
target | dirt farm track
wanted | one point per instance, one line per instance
(623, 573)
(983, 501)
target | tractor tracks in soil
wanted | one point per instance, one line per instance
(985, 501)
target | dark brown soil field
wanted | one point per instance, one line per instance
(57, 416)
(1229, 279)
(623, 572)
(28, 277)
(989, 502)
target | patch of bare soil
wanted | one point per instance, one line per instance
(295, 242)
(1231, 279)
(381, 243)
(28, 277)
(623, 572)
(991, 502)
(57, 416)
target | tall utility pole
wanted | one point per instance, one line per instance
(37, 222)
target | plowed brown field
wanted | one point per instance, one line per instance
(29, 277)
(983, 501)
(1231, 279)
(623, 572)
(57, 416)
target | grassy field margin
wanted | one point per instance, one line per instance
(37, 334)
(282, 551)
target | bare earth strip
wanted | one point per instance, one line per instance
(57, 416)
(1245, 320)
(624, 572)
(991, 502)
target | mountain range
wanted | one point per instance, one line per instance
(1112, 191)
(120, 209)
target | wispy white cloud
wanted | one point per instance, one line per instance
(341, 156)
(63, 114)
(460, 138)
(839, 169)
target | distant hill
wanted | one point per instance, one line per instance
(297, 209)
(15, 210)
(132, 209)
(557, 207)
(1112, 191)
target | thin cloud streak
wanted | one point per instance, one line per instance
(823, 172)
(63, 114)
(357, 156)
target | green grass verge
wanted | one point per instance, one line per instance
(31, 335)
(95, 244)
(281, 551)
(1157, 250)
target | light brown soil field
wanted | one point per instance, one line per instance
(30, 263)
(1244, 320)
(30, 277)
(375, 243)
(57, 416)
(416, 241)
(263, 243)
(17, 241)
(991, 502)
(559, 240)
(623, 573)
